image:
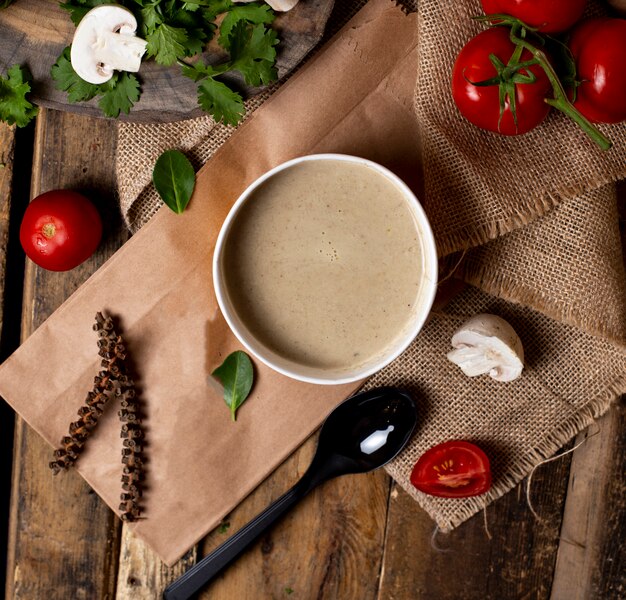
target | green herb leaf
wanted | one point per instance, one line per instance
(151, 17)
(250, 13)
(79, 8)
(212, 8)
(224, 527)
(14, 107)
(175, 30)
(166, 43)
(216, 98)
(66, 79)
(5, 3)
(253, 53)
(236, 375)
(174, 178)
(199, 71)
(119, 94)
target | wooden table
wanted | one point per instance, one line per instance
(359, 537)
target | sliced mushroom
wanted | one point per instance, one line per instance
(488, 344)
(279, 5)
(104, 42)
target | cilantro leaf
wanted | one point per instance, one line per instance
(66, 79)
(212, 7)
(14, 107)
(79, 8)
(253, 54)
(198, 29)
(174, 30)
(216, 98)
(166, 43)
(199, 70)
(251, 13)
(151, 17)
(119, 94)
(195, 42)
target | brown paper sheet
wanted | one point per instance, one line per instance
(201, 464)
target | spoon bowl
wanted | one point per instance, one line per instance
(363, 433)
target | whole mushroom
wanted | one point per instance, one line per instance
(105, 42)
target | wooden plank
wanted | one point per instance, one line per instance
(34, 33)
(592, 555)
(329, 546)
(141, 574)
(63, 537)
(517, 562)
(591, 561)
(7, 150)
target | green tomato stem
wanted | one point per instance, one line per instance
(560, 100)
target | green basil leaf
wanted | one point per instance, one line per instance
(236, 375)
(174, 178)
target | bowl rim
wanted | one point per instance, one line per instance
(430, 273)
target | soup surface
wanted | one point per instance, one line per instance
(324, 264)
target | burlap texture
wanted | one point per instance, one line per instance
(484, 195)
(140, 144)
(480, 185)
(568, 265)
(570, 378)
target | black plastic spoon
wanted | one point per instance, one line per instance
(361, 434)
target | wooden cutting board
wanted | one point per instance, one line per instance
(34, 32)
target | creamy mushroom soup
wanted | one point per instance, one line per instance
(324, 264)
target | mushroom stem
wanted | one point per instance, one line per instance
(119, 51)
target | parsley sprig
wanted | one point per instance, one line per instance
(175, 31)
(252, 53)
(14, 88)
(117, 95)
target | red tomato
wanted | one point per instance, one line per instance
(599, 49)
(481, 105)
(453, 469)
(60, 230)
(550, 16)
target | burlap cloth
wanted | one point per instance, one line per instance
(558, 279)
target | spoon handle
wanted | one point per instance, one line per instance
(201, 573)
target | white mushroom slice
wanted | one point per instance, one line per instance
(488, 344)
(279, 5)
(104, 42)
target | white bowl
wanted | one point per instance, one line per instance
(305, 372)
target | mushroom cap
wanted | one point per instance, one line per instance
(282, 5)
(104, 17)
(279, 5)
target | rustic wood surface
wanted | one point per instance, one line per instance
(34, 32)
(359, 537)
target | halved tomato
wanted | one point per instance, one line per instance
(454, 469)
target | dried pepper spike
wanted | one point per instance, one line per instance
(113, 381)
